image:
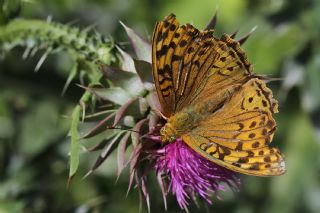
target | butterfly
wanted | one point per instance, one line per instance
(212, 100)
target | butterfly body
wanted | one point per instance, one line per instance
(212, 100)
(179, 124)
(188, 118)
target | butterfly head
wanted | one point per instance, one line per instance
(168, 133)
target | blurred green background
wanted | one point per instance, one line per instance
(33, 123)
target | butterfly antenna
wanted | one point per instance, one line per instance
(268, 79)
(130, 130)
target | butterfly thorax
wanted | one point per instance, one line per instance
(178, 124)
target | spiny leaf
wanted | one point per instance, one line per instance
(141, 47)
(46, 35)
(75, 137)
(98, 114)
(145, 191)
(143, 106)
(127, 61)
(75, 145)
(122, 153)
(105, 141)
(121, 111)
(153, 121)
(153, 102)
(133, 160)
(101, 126)
(144, 71)
(127, 80)
(114, 94)
(137, 131)
(163, 190)
(105, 153)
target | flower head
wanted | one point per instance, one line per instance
(190, 174)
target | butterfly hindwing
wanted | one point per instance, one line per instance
(238, 135)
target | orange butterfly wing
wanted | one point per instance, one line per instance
(189, 65)
(237, 136)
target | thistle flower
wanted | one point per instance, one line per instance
(190, 174)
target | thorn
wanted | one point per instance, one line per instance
(42, 59)
(123, 25)
(212, 24)
(233, 35)
(34, 51)
(26, 53)
(130, 183)
(244, 38)
(83, 87)
(69, 181)
(86, 175)
(118, 176)
(71, 76)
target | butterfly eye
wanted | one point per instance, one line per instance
(162, 131)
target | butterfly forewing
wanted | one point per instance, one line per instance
(189, 65)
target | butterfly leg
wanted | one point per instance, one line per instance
(160, 114)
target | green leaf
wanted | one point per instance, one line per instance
(97, 127)
(127, 61)
(126, 80)
(116, 95)
(75, 136)
(153, 101)
(108, 149)
(75, 143)
(144, 71)
(141, 47)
